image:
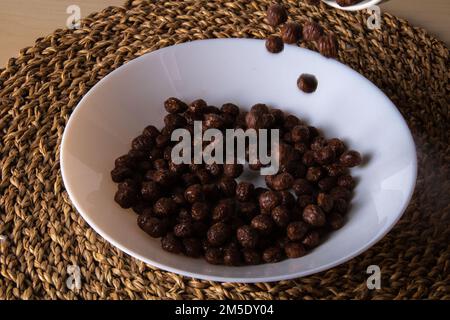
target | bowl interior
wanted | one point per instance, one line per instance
(345, 105)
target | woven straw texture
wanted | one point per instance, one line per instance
(40, 88)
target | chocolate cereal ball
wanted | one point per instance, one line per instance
(244, 191)
(218, 234)
(214, 255)
(311, 239)
(164, 207)
(232, 256)
(350, 158)
(294, 250)
(223, 210)
(199, 211)
(313, 215)
(183, 230)
(153, 226)
(247, 237)
(251, 256)
(233, 170)
(171, 243)
(280, 216)
(272, 254)
(269, 200)
(296, 230)
(325, 201)
(263, 223)
(192, 247)
(194, 193)
(174, 105)
(227, 186)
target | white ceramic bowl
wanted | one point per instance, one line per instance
(241, 71)
(359, 6)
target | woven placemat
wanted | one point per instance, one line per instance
(40, 88)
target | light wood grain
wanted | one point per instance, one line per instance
(22, 21)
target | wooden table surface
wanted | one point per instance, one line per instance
(22, 21)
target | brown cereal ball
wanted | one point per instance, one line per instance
(171, 243)
(150, 191)
(314, 174)
(327, 183)
(300, 133)
(214, 256)
(325, 201)
(183, 230)
(126, 197)
(279, 182)
(247, 237)
(302, 187)
(327, 46)
(346, 181)
(189, 179)
(340, 206)
(269, 200)
(151, 132)
(214, 169)
(192, 247)
(211, 191)
(244, 191)
(341, 193)
(313, 215)
(276, 14)
(227, 186)
(324, 156)
(251, 256)
(164, 207)
(233, 170)
(291, 32)
(174, 105)
(280, 216)
(197, 107)
(224, 210)
(194, 193)
(304, 200)
(263, 223)
(142, 143)
(272, 254)
(174, 121)
(350, 158)
(119, 174)
(311, 239)
(218, 234)
(296, 230)
(163, 177)
(336, 145)
(212, 120)
(287, 199)
(248, 209)
(312, 31)
(335, 221)
(199, 211)
(204, 176)
(294, 250)
(274, 44)
(334, 170)
(307, 83)
(232, 256)
(230, 108)
(153, 226)
(308, 158)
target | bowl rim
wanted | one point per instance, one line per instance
(355, 7)
(67, 185)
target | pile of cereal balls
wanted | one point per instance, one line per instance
(203, 211)
(292, 32)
